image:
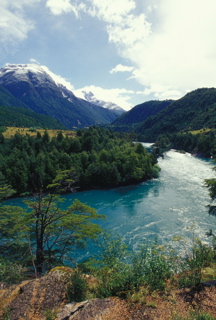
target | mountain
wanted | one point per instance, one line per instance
(15, 113)
(196, 110)
(38, 89)
(90, 97)
(141, 112)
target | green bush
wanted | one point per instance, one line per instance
(121, 272)
(151, 267)
(50, 314)
(76, 287)
(196, 316)
(191, 266)
(11, 273)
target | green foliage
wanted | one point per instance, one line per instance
(11, 273)
(192, 265)
(46, 233)
(196, 316)
(96, 158)
(14, 116)
(202, 144)
(156, 171)
(151, 266)
(211, 185)
(50, 314)
(122, 272)
(138, 114)
(196, 110)
(7, 314)
(76, 287)
(64, 180)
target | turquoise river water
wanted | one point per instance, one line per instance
(172, 205)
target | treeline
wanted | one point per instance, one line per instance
(202, 144)
(99, 157)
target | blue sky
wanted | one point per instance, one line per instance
(124, 51)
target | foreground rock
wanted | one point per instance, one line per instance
(90, 309)
(45, 299)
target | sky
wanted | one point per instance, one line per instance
(124, 51)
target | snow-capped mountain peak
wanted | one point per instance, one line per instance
(90, 97)
(40, 74)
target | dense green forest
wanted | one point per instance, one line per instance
(187, 123)
(96, 158)
(195, 111)
(128, 121)
(201, 144)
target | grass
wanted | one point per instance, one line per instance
(203, 130)
(11, 131)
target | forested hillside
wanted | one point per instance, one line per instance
(139, 114)
(13, 112)
(194, 111)
(95, 158)
(22, 117)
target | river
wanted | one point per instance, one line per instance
(172, 205)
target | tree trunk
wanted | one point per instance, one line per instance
(39, 259)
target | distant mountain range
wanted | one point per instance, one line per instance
(31, 95)
(196, 110)
(32, 87)
(90, 97)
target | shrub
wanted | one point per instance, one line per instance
(196, 316)
(192, 265)
(121, 273)
(11, 273)
(76, 287)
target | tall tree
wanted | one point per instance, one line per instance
(50, 231)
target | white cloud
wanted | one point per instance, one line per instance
(121, 97)
(181, 54)
(32, 60)
(123, 26)
(111, 11)
(14, 25)
(172, 45)
(121, 68)
(58, 7)
(59, 79)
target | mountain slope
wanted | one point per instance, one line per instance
(13, 112)
(22, 117)
(141, 112)
(194, 111)
(36, 88)
(90, 97)
(8, 100)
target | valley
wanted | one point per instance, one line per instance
(113, 218)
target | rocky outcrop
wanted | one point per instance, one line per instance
(45, 298)
(31, 299)
(90, 309)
